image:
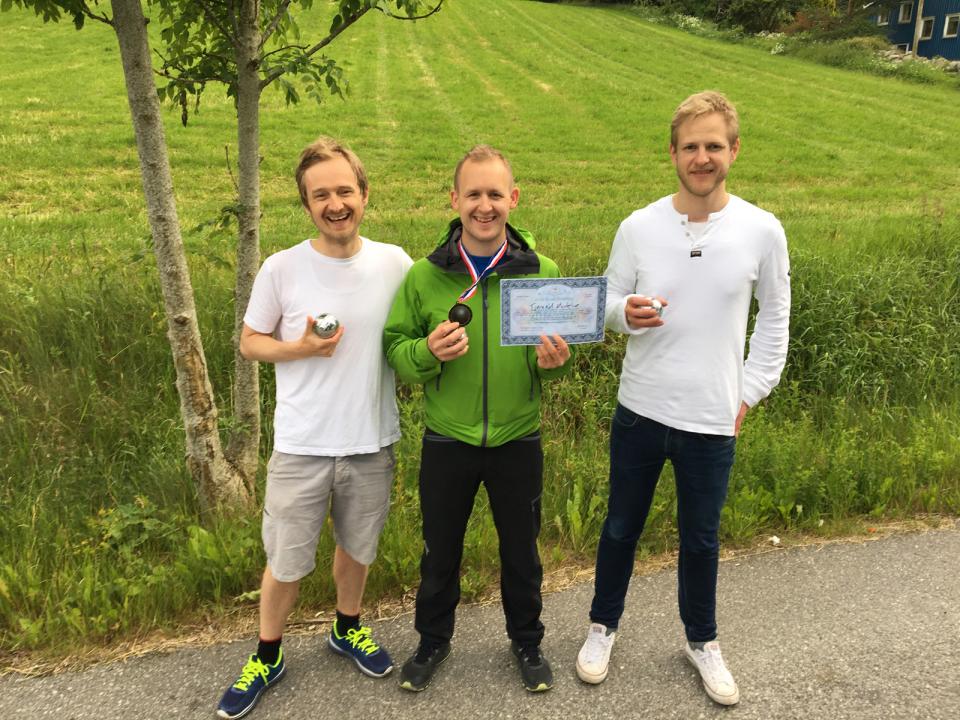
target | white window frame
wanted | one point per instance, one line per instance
(883, 18)
(924, 35)
(904, 48)
(906, 13)
(946, 25)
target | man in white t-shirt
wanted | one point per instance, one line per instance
(336, 417)
(681, 276)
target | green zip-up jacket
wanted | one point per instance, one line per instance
(491, 395)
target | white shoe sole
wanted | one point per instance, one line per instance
(722, 699)
(591, 678)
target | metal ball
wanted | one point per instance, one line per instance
(325, 325)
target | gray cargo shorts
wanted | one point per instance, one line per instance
(300, 491)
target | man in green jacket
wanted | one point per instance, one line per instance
(482, 412)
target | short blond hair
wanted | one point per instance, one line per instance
(326, 148)
(479, 153)
(704, 103)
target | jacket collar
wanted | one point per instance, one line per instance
(520, 258)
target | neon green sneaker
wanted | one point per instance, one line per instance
(256, 677)
(358, 644)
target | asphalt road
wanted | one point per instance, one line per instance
(840, 631)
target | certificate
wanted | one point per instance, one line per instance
(571, 307)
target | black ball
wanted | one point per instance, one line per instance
(460, 313)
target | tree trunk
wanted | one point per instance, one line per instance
(918, 29)
(218, 482)
(244, 446)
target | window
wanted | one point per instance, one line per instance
(951, 28)
(906, 13)
(883, 18)
(904, 48)
(926, 31)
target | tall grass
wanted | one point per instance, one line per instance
(100, 535)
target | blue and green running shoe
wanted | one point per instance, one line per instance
(372, 659)
(256, 677)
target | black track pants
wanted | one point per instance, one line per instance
(450, 474)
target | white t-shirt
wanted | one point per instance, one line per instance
(345, 404)
(690, 373)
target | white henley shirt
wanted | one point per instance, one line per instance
(690, 373)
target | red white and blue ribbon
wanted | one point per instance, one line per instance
(470, 291)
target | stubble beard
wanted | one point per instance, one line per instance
(718, 181)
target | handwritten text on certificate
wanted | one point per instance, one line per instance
(571, 307)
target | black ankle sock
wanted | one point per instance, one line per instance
(269, 650)
(346, 622)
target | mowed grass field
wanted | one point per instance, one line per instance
(100, 537)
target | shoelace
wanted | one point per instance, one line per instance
(361, 640)
(251, 670)
(531, 654)
(424, 653)
(713, 661)
(597, 646)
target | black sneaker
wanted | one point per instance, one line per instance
(417, 672)
(534, 668)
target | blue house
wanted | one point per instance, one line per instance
(939, 27)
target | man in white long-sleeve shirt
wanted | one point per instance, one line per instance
(681, 276)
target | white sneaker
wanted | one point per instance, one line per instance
(717, 680)
(594, 656)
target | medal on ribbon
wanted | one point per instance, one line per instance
(460, 312)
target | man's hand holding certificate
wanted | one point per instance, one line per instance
(571, 307)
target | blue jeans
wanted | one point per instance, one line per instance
(639, 447)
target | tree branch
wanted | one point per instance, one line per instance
(85, 9)
(233, 20)
(94, 16)
(281, 49)
(414, 17)
(185, 78)
(206, 54)
(215, 21)
(183, 72)
(277, 72)
(274, 22)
